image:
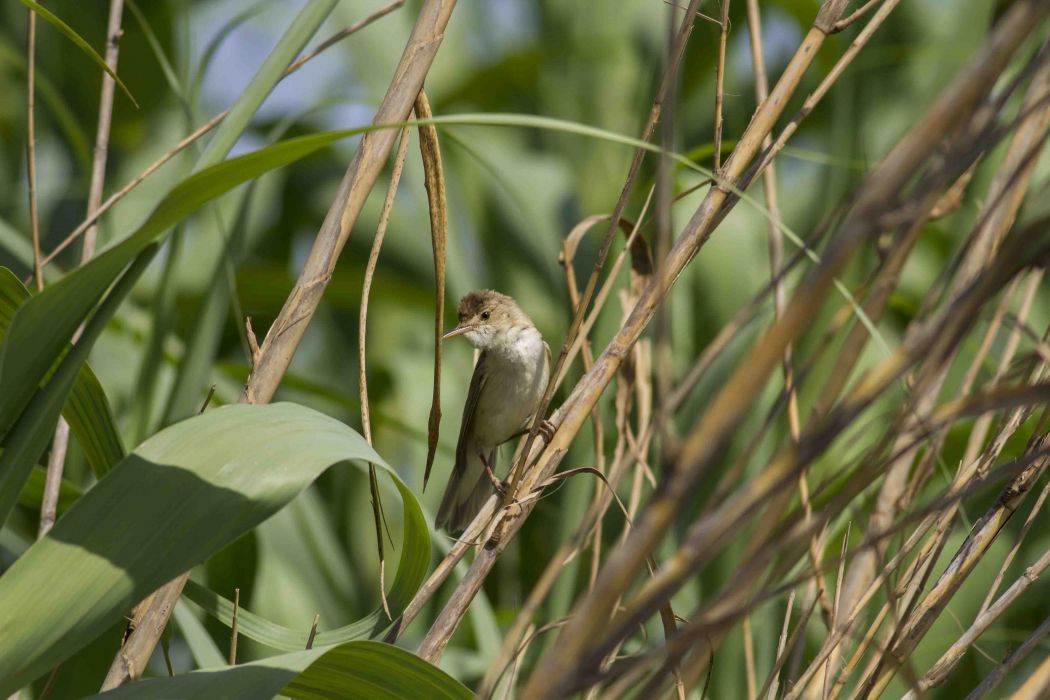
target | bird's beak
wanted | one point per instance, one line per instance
(458, 330)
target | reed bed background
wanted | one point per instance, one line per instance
(790, 258)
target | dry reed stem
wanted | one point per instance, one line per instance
(837, 635)
(313, 631)
(768, 154)
(1034, 687)
(290, 325)
(284, 336)
(776, 264)
(57, 459)
(969, 553)
(362, 374)
(34, 217)
(366, 287)
(928, 555)
(204, 128)
(977, 467)
(857, 14)
(434, 179)
(233, 626)
(1005, 195)
(1029, 521)
(924, 556)
(772, 683)
(711, 530)
(522, 483)
(560, 662)
(577, 408)
(938, 673)
(147, 624)
(666, 85)
(720, 76)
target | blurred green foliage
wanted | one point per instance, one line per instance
(513, 194)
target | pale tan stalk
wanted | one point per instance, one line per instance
(1005, 196)
(276, 351)
(282, 339)
(57, 458)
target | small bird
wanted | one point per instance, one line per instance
(508, 382)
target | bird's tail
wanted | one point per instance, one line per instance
(465, 494)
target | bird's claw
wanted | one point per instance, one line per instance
(546, 431)
(500, 486)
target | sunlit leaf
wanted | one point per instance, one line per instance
(180, 496)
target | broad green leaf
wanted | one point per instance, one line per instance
(33, 427)
(180, 496)
(411, 570)
(61, 26)
(87, 410)
(370, 670)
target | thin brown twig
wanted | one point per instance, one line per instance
(720, 76)
(233, 626)
(1035, 686)
(434, 180)
(313, 631)
(778, 271)
(857, 14)
(362, 325)
(277, 349)
(34, 219)
(938, 673)
(291, 323)
(60, 444)
(666, 84)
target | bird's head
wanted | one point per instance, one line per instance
(486, 315)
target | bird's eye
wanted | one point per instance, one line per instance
(484, 315)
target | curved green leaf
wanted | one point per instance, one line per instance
(370, 670)
(412, 569)
(61, 26)
(180, 496)
(87, 409)
(32, 428)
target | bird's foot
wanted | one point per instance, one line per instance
(500, 486)
(546, 431)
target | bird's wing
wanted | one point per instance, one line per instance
(459, 502)
(477, 383)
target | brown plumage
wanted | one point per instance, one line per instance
(508, 382)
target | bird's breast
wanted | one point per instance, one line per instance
(516, 376)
